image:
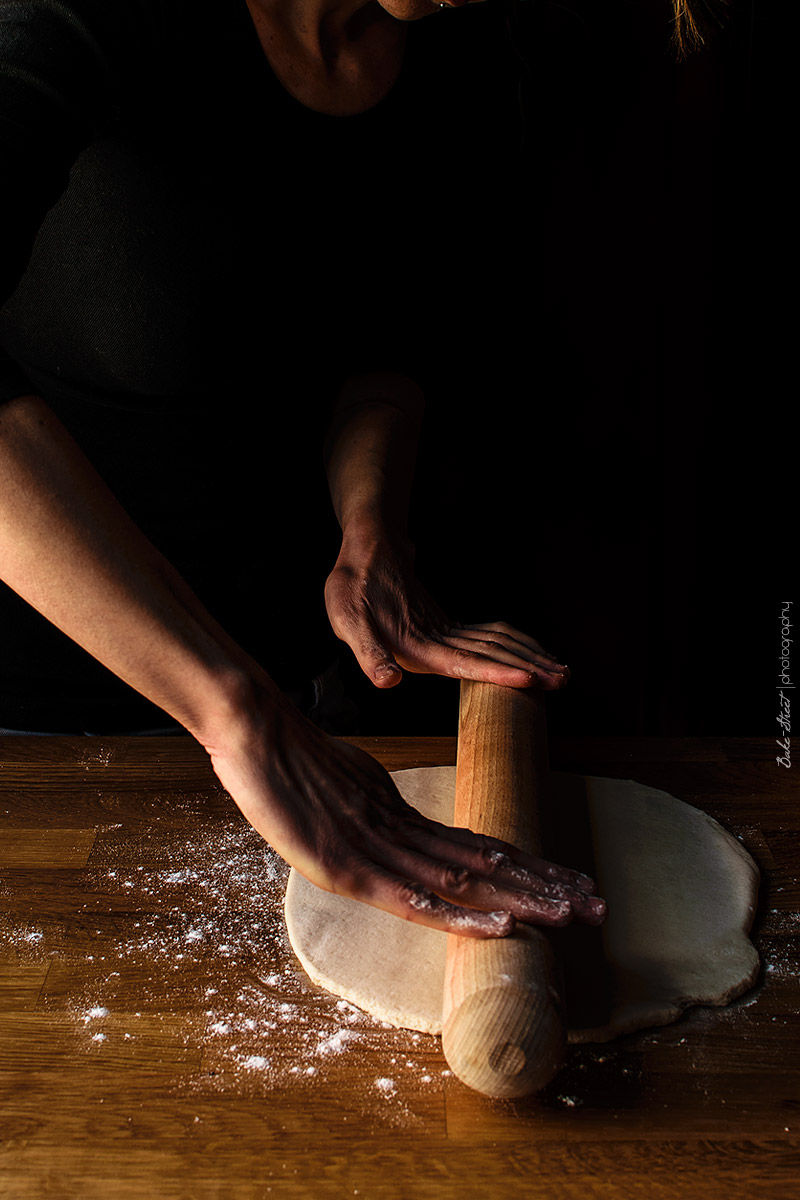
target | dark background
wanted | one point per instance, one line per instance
(610, 471)
(575, 241)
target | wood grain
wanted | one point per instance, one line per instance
(46, 847)
(503, 1019)
(162, 1106)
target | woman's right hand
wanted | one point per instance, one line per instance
(333, 812)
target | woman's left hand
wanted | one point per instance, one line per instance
(378, 606)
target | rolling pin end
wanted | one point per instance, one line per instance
(506, 1042)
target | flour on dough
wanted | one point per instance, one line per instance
(681, 896)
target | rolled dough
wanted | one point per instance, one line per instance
(681, 895)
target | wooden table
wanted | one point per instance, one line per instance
(159, 1041)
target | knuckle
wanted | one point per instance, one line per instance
(339, 583)
(456, 880)
(464, 655)
(464, 662)
(492, 860)
(413, 898)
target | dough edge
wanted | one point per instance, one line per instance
(628, 1017)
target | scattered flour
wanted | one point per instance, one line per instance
(255, 1062)
(201, 931)
(337, 1042)
(93, 1013)
(203, 928)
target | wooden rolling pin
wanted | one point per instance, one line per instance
(504, 1032)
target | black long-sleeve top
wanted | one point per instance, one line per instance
(191, 261)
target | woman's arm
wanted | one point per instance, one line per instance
(370, 453)
(69, 549)
(329, 809)
(375, 602)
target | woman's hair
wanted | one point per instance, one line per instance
(561, 46)
(693, 23)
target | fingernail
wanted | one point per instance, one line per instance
(385, 669)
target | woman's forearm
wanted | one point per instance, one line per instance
(69, 549)
(370, 454)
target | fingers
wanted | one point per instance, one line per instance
(414, 902)
(482, 854)
(461, 657)
(472, 870)
(460, 887)
(463, 660)
(504, 629)
(544, 670)
(508, 869)
(501, 633)
(465, 885)
(442, 897)
(515, 862)
(491, 653)
(508, 645)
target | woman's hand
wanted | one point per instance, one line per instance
(334, 813)
(375, 602)
(378, 606)
(69, 549)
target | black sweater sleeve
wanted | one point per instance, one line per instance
(64, 65)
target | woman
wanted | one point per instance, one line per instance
(186, 226)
